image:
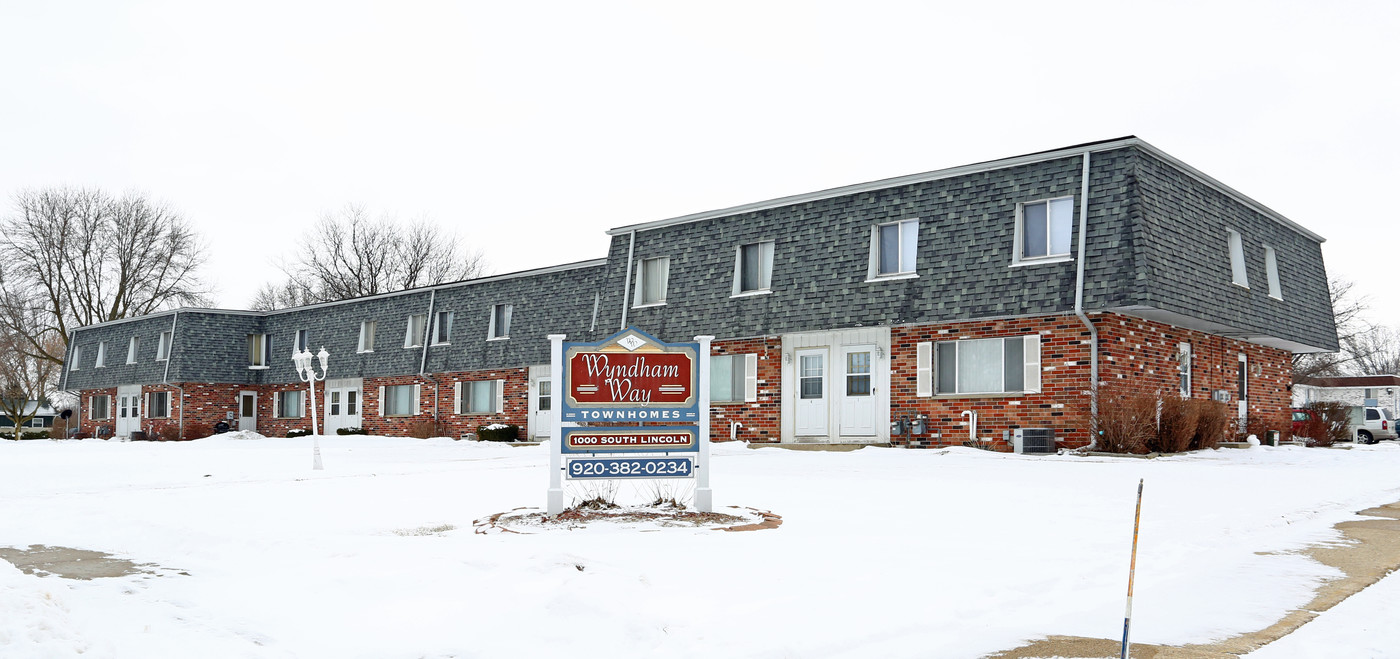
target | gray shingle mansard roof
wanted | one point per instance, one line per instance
(1157, 248)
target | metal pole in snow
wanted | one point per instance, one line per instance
(1132, 570)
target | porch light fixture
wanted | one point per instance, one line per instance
(787, 358)
(306, 371)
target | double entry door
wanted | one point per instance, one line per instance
(342, 408)
(840, 395)
(128, 411)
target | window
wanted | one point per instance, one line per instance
(982, 366)
(442, 328)
(733, 378)
(302, 341)
(1238, 275)
(500, 322)
(1043, 229)
(367, 336)
(158, 405)
(163, 347)
(77, 358)
(1372, 414)
(413, 334)
(1271, 269)
(131, 347)
(288, 404)
(101, 354)
(753, 268)
(651, 281)
(258, 347)
(398, 400)
(480, 397)
(100, 408)
(894, 248)
(1244, 377)
(1183, 367)
(545, 395)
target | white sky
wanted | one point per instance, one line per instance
(530, 128)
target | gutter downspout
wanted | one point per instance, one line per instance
(1079, 304)
(165, 377)
(428, 328)
(627, 283)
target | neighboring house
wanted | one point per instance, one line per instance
(1371, 390)
(43, 417)
(998, 288)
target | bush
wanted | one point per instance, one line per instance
(1261, 426)
(351, 431)
(298, 432)
(34, 434)
(197, 430)
(1176, 425)
(1335, 421)
(424, 428)
(498, 432)
(1127, 419)
(169, 433)
(1213, 423)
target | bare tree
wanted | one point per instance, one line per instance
(1375, 351)
(82, 256)
(1347, 310)
(349, 254)
(25, 379)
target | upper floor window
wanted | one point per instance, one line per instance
(1271, 269)
(500, 322)
(1238, 275)
(894, 248)
(981, 366)
(101, 354)
(366, 336)
(258, 347)
(1043, 228)
(163, 347)
(442, 328)
(651, 281)
(753, 268)
(413, 334)
(77, 358)
(131, 347)
(303, 341)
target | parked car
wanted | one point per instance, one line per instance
(1369, 425)
(1301, 418)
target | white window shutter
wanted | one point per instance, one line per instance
(417, 399)
(90, 416)
(750, 378)
(276, 404)
(381, 400)
(923, 356)
(457, 397)
(1032, 360)
(145, 402)
(500, 396)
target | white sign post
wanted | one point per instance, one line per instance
(556, 431)
(704, 497)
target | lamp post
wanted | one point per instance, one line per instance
(307, 373)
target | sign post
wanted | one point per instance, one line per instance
(630, 378)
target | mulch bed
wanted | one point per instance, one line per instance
(636, 518)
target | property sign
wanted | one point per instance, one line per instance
(632, 439)
(630, 376)
(590, 468)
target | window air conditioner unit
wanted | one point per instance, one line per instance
(1221, 395)
(1034, 440)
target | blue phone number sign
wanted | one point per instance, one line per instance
(598, 468)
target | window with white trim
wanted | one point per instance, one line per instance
(400, 400)
(1183, 367)
(100, 407)
(163, 347)
(101, 355)
(131, 347)
(733, 378)
(366, 336)
(77, 358)
(479, 397)
(259, 345)
(288, 404)
(753, 268)
(442, 328)
(499, 327)
(303, 341)
(413, 333)
(651, 281)
(894, 248)
(980, 366)
(1043, 229)
(1238, 274)
(158, 405)
(1271, 269)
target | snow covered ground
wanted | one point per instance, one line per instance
(882, 552)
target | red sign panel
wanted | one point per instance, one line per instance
(655, 378)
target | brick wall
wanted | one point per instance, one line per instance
(761, 419)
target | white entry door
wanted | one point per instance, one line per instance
(128, 410)
(857, 409)
(342, 409)
(248, 411)
(542, 417)
(812, 408)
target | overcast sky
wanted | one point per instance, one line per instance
(531, 128)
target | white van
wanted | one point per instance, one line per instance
(1369, 425)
